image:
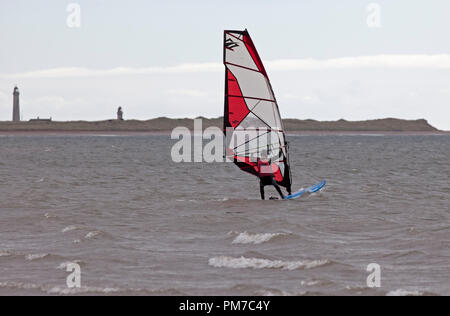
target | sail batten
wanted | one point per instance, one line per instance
(251, 110)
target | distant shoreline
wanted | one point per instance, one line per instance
(164, 126)
(168, 133)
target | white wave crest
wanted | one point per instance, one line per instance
(256, 263)
(249, 238)
(59, 290)
(5, 254)
(401, 292)
(309, 283)
(63, 290)
(36, 256)
(280, 293)
(69, 229)
(19, 285)
(93, 234)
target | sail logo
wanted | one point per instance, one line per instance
(230, 44)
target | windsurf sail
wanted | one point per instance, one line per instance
(252, 122)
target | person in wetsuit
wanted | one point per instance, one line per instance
(266, 177)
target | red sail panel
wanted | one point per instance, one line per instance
(245, 164)
(254, 53)
(237, 108)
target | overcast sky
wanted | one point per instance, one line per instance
(327, 59)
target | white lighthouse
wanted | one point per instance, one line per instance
(16, 107)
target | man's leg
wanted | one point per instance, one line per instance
(261, 189)
(277, 187)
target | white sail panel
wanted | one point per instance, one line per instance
(253, 84)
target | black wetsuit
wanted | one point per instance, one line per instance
(266, 177)
(269, 180)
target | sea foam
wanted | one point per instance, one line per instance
(401, 292)
(19, 285)
(93, 234)
(37, 256)
(5, 253)
(256, 263)
(58, 290)
(249, 238)
(69, 229)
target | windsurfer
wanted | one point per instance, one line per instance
(250, 106)
(266, 177)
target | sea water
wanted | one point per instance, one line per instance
(137, 223)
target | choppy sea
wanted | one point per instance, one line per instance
(139, 224)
